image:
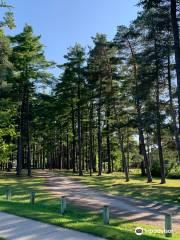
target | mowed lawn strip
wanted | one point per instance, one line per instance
(46, 209)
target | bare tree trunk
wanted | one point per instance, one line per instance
(148, 148)
(61, 156)
(79, 132)
(127, 132)
(158, 120)
(175, 27)
(108, 139)
(121, 144)
(86, 154)
(19, 156)
(138, 108)
(90, 138)
(28, 135)
(43, 158)
(94, 154)
(126, 171)
(158, 128)
(173, 114)
(33, 156)
(21, 128)
(74, 140)
(19, 144)
(143, 147)
(82, 147)
(99, 133)
(67, 150)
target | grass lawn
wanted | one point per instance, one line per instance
(46, 209)
(137, 187)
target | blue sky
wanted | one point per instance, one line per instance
(62, 23)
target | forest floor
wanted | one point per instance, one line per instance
(47, 206)
(129, 208)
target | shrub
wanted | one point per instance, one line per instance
(155, 168)
(174, 172)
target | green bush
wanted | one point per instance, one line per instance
(174, 173)
(155, 169)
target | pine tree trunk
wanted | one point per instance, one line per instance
(173, 114)
(175, 27)
(90, 138)
(40, 158)
(33, 156)
(161, 158)
(121, 144)
(79, 132)
(86, 156)
(60, 153)
(94, 167)
(67, 150)
(23, 126)
(127, 144)
(143, 147)
(126, 171)
(74, 140)
(138, 108)
(62, 156)
(124, 161)
(19, 157)
(82, 147)
(28, 134)
(108, 139)
(148, 148)
(99, 133)
(158, 119)
(43, 158)
(19, 140)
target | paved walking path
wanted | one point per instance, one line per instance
(126, 208)
(19, 228)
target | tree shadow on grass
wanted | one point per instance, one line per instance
(136, 188)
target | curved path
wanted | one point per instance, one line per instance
(19, 228)
(126, 208)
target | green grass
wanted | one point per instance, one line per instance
(137, 187)
(46, 209)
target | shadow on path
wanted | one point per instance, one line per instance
(141, 211)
